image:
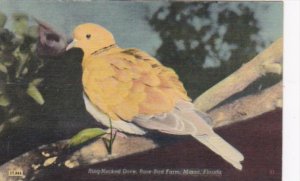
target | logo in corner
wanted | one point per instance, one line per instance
(17, 172)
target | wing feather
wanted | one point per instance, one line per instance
(129, 83)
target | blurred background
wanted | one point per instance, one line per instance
(41, 97)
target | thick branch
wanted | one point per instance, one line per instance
(269, 61)
(248, 107)
(37, 162)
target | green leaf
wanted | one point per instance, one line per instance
(15, 119)
(33, 92)
(37, 81)
(4, 101)
(86, 135)
(3, 19)
(25, 71)
(3, 68)
(33, 31)
(22, 58)
(20, 23)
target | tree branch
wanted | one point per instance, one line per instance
(269, 61)
(248, 106)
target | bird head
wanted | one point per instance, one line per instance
(91, 38)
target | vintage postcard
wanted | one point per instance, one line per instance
(141, 90)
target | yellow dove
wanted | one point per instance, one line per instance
(135, 92)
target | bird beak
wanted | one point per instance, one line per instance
(71, 45)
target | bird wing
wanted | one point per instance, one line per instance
(129, 83)
(182, 120)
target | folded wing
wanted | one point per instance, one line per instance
(129, 83)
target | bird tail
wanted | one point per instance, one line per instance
(222, 148)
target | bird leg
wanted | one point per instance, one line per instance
(109, 141)
(116, 132)
(112, 133)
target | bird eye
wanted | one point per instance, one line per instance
(88, 36)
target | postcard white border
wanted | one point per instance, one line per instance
(291, 108)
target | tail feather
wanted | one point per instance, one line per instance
(222, 148)
(185, 120)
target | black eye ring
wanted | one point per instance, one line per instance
(88, 36)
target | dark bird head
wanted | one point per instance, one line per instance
(51, 43)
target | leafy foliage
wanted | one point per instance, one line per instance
(205, 42)
(41, 91)
(19, 68)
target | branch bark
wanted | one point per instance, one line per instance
(248, 106)
(37, 163)
(269, 61)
